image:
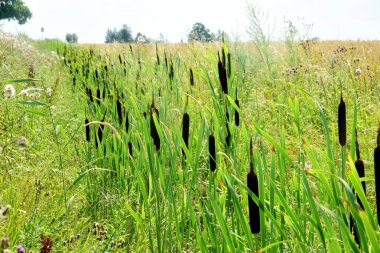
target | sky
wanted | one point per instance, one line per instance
(90, 19)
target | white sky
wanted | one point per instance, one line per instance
(90, 19)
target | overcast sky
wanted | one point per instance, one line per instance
(90, 19)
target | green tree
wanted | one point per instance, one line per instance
(200, 33)
(123, 35)
(72, 38)
(14, 10)
(111, 36)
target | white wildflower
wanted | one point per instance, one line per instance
(9, 91)
(49, 91)
(358, 71)
(24, 93)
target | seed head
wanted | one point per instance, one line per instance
(9, 91)
(342, 122)
(212, 152)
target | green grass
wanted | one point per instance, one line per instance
(153, 200)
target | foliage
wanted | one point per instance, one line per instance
(14, 10)
(123, 35)
(200, 33)
(71, 38)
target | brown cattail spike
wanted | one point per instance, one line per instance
(212, 152)
(185, 130)
(130, 148)
(222, 76)
(153, 128)
(119, 111)
(237, 116)
(126, 123)
(376, 157)
(87, 130)
(191, 77)
(342, 122)
(254, 211)
(228, 136)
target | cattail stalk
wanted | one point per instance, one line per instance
(191, 77)
(212, 152)
(253, 185)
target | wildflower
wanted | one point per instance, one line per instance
(9, 91)
(358, 71)
(49, 91)
(20, 249)
(24, 93)
(22, 141)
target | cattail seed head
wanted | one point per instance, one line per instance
(126, 123)
(153, 128)
(254, 211)
(185, 130)
(98, 96)
(191, 77)
(119, 111)
(87, 130)
(130, 148)
(212, 152)
(222, 76)
(342, 122)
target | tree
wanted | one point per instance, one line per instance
(111, 36)
(123, 35)
(72, 38)
(141, 39)
(14, 10)
(199, 33)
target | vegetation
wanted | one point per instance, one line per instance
(14, 10)
(200, 33)
(214, 147)
(71, 38)
(123, 35)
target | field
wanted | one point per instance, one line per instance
(173, 147)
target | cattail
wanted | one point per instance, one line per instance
(98, 95)
(153, 128)
(100, 131)
(342, 122)
(119, 111)
(126, 123)
(120, 60)
(87, 130)
(223, 58)
(130, 148)
(157, 56)
(171, 73)
(185, 130)
(354, 230)
(228, 136)
(166, 59)
(74, 81)
(222, 76)
(211, 150)
(376, 157)
(237, 116)
(253, 185)
(89, 94)
(191, 77)
(96, 74)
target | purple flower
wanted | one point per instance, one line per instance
(20, 249)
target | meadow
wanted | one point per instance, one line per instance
(204, 147)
